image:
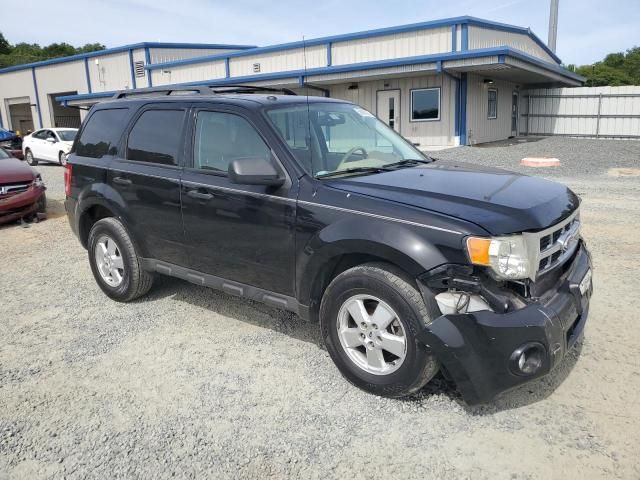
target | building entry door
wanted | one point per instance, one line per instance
(388, 108)
(514, 114)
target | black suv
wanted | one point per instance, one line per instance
(315, 206)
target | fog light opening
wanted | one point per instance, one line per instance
(527, 359)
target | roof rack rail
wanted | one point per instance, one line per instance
(168, 90)
(199, 90)
(248, 89)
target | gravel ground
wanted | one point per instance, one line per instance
(188, 382)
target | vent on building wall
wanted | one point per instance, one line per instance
(256, 68)
(139, 68)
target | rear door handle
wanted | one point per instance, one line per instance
(199, 195)
(122, 181)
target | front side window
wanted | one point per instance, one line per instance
(40, 135)
(425, 105)
(330, 138)
(101, 134)
(156, 137)
(492, 107)
(222, 137)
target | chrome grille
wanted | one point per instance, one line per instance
(12, 189)
(554, 245)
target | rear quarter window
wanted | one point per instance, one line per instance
(101, 134)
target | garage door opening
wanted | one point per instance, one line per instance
(20, 118)
(63, 117)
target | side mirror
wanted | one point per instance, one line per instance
(255, 171)
(51, 140)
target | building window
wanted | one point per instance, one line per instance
(492, 107)
(425, 105)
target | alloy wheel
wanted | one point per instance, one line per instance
(371, 334)
(108, 257)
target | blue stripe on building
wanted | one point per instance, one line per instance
(35, 87)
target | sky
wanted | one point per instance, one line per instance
(587, 29)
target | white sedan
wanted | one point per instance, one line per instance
(48, 145)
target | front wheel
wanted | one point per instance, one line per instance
(115, 263)
(28, 156)
(370, 318)
(62, 159)
(42, 203)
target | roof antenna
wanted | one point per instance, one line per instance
(306, 89)
(304, 76)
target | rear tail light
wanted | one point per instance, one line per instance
(67, 179)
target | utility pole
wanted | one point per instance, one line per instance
(553, 25)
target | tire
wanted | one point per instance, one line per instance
(399, 375)
(110, 239)
(42, 203)
(62, 159)
(31, 160)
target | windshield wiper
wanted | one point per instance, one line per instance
(354, 170)
(408, 162)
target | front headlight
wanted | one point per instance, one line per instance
(507, 256)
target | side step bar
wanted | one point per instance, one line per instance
(232, 288)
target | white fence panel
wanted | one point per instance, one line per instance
(607, 112)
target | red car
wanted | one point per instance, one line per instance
(22, 191)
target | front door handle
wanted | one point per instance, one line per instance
(125, 182)
(199, 195)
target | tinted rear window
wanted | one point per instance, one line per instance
(100, 135)
(156, 137)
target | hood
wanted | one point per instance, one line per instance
(67, 143)
(498, 200)
(13, 170)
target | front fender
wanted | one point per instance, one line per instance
(411, 248)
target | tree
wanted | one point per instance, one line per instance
(91, 47)
(601, 75)
(5, 48)
(620, 68)
(22, 53)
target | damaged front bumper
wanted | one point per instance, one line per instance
(480, 350)
(22, 204)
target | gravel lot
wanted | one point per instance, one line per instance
(188, 382)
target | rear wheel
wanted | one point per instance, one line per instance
(62, 159)
(28, 156)
(115, 263)
(370, 318)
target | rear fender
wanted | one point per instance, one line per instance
(101, 194)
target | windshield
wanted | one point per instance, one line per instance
(67, 135)
(331, 139)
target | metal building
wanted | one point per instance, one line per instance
(438, 83)
(28, 92)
